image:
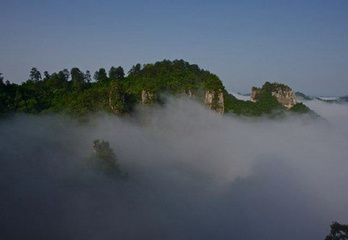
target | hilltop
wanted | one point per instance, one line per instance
(74, 93)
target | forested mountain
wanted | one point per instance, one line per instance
(75, 93)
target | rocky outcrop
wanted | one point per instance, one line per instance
(117, 100)
(190, 93)
(283, 94)
(215, 100)
(255, 94)
(212, 99)
(147, 97)
(287, 98)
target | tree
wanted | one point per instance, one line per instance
(117, 99)
(135, 69)
(55, 82)
(338, 232)
(78, 79)
(116, 73)
(104, 159)
(46, 76)
(112, 73)
(64, 75)
(77, 75)
(300, 108)
(35, 75)
(88, 77)
(100, 76)
(1, 79)
(4, 96)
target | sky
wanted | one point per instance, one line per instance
(303, 44)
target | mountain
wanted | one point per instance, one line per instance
(271, 98)
(73, 92)
(333, 99)
(301, 96)
(281, 92)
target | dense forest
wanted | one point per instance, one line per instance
(75, 93)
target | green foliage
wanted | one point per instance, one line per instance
(116, 73)
(120, 103)
(73, 93)
(7, 97)
(174, 77)
(135, 69)
(212, 82)
(90, 100)
(268, 88)
(35, 75)
(267, 104)
(100, 76)
(103, 159)
(302, 95)
(1, 79)
(78, 79)
(300, 108)
(272, 87)
(338, 232)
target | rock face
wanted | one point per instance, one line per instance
(287, 98)
(147, 97)
(215, 100)
(116, 99)
(190, 93)
(212, 99)
(283, 93)
(255, 92)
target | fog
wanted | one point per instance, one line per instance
(193, 175)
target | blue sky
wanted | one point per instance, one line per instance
(300, 43)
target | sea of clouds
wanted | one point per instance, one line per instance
(193, 175)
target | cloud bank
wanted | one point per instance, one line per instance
(194, 175)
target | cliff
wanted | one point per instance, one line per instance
(117, 101)
(215, 100)
(212, 99)
(176, 78)
(147, 97)
(144, 84)
(281, 92)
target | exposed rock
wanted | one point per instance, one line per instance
(117, 100)
(190, 93)
(147, 97)
(283, 93)
(287, 98)
(215, 100)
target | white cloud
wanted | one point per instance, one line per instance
(194, 175)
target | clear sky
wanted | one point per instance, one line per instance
(301, 43)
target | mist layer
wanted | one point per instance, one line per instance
(193, 175)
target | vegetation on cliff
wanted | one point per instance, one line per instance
(174, 77)
(266, 105)
(300, 108)
(103, 159)
(270, 93)
(74, 93)
(303, 96)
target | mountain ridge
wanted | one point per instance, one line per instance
(74, 93)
